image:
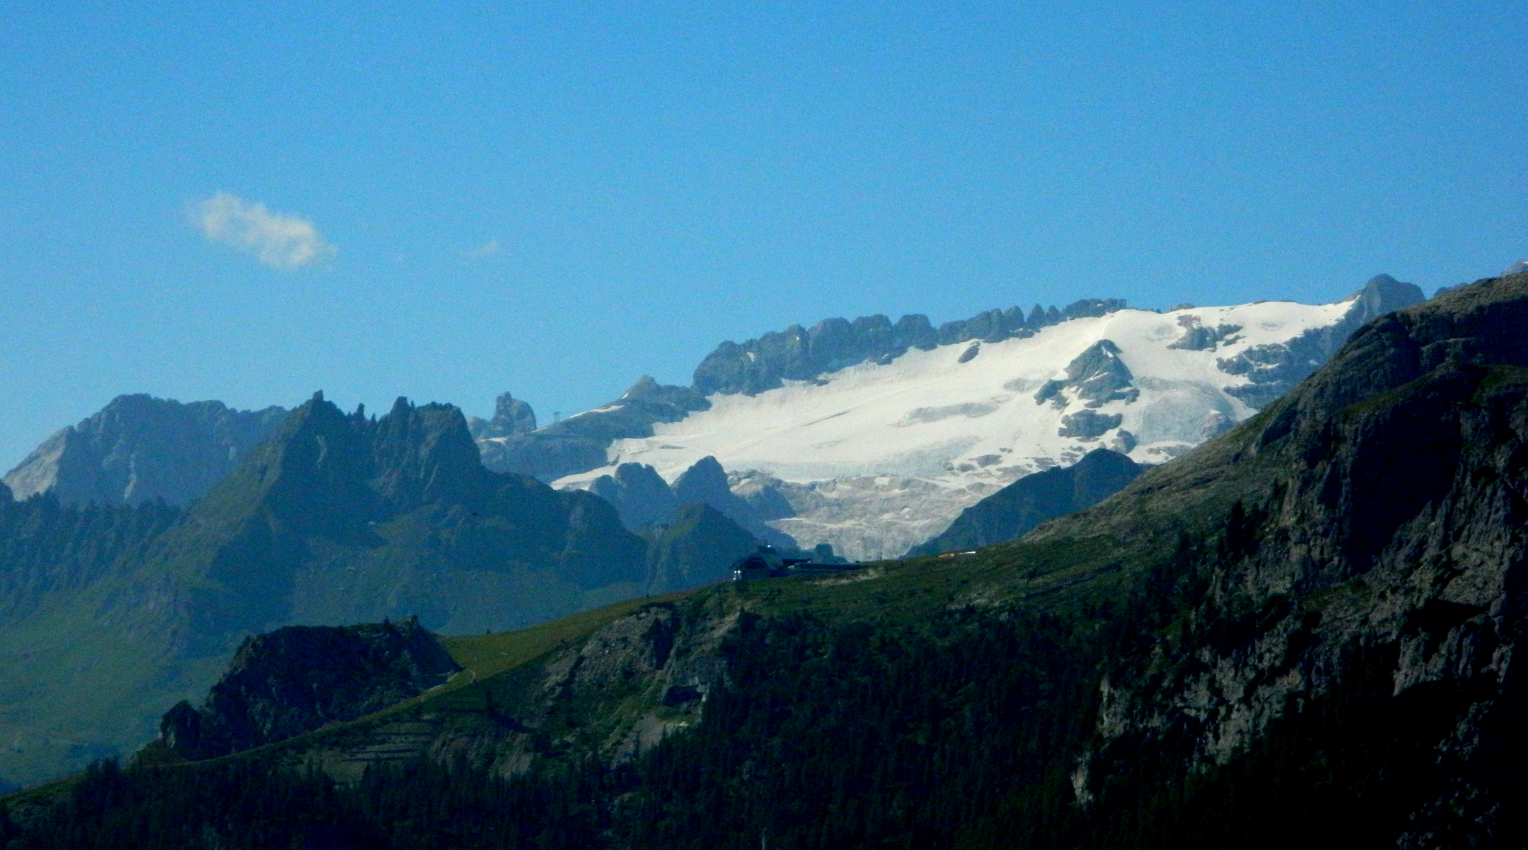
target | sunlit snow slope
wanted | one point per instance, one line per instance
(884, 456)
(876, 458)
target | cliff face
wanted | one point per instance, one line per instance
(801, 354)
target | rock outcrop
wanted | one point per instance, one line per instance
(1095, 377)
(299, 678)
(578, 443)
(1273, 370)
(511, 416)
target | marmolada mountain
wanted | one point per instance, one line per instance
(1080, 577)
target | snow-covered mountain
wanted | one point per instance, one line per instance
(880, 455)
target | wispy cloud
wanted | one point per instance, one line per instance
(276, 239)
(486, 249)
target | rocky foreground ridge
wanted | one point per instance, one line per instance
(300, 678)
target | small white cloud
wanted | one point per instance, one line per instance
(484, 250)
(279, 240)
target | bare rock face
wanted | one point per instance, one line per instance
(296, 679)
(139, 448)
(802, 354)
(1199, 337)
(1088, 424)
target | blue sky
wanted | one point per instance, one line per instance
(251, 203)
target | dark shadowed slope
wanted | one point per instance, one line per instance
(1013, 511)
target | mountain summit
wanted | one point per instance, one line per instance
(139, 448)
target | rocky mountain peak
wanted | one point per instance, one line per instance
(424, 455)
(696, 546)
(1381, 295)
(139, 448)
(705, 481)
(645, 385)
(511, 416)
(639, 494)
